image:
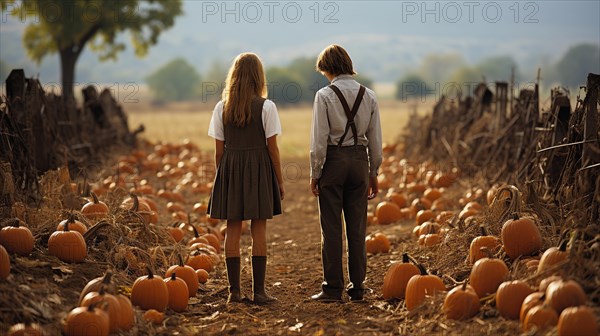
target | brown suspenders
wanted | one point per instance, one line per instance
(350, 114)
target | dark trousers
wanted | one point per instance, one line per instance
(343, 187)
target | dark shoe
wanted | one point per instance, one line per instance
(234, 297)
(324, 297)
(357, 298)
(259, 271)
(233, 276)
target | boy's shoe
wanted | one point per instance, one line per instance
(324, 297)
(234, 297)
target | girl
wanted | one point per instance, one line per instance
(248, 184)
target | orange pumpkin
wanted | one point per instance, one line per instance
(150, 292)
(178, 293)
(154, 316)
(424, 215)
(200, 259)
(25, 329)
(377, 243)
(563, 294)
(388, 212)
(398, 199)
(187, 274)
(461, 303)
(553, 256)
(176, 233)
(487, 274)
(492, 243)
(127, 315)
(16, 238)
(68, 246)
(510, 296)
(580, 321)
(532, 300)
(432, 194)
(429, 240)
(546, 281)
(4, 263)
(94, 209)
(87, 321)
(94, 285)
(540, 317)
(74, 225)
(421, 285)
(112, 304)
(213, 241)
(520, 237)
(428, 228)
(396, 278)
(202, 275)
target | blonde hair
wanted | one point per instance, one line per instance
(335, 60)
(245, 82)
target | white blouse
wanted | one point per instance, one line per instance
(270, 119)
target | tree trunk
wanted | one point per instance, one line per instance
(68, 59)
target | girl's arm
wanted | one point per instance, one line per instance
(274, 154)
(219, 149)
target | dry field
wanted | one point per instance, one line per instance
(175, 122)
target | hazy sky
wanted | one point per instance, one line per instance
(385, 38)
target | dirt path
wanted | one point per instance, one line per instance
(294, 274)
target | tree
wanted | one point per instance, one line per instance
(578, 61)
(411, 86)
(285, 86)
(498, 68)
(66, 27)
(364, 80)
(176, 80)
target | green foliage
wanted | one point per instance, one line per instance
(175, 81)
(299, 81)
(411, 86)
(437, 68)
(4, 71)
(572, 69)
(498, 68)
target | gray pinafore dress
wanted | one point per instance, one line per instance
(245, 185)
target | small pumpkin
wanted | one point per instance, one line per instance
(562, 294)
(484, 240)
(546, 281)
(178, 293)
(422, 285)
(424, 215)
(94, 285)
(428, 228)
(431, 239)
(580, 321)
(520, 237)
(213, 240)
(187, 274)
(67, 245)
(197, 238)
(176, 233)
(461, 303)
(25, 329)
(200, 259)
(150, 292)
(74, 225)
(94, 209)
(540, 317)
(396, 278)
(154, 316)
(4, 263)
(432, 194)
(399, 199)
(87, 321)
(112, 304)
(510, 296)
(202, 275)
(487, 274)
(553, 256)
(377, 243)
(16, 238)
(532, 300)
(134, 204)
(388, 212)
(127, 316)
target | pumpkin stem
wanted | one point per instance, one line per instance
(189, 218)
(66, 227)
(464, 285)
(405, 257)
(487, 251)
(422, 269)
(180, 258)
(136, 203)
(196, 234)
(150, 273)
(482, 231)
(107, 277)
(562, 246)
(94, 197)
(173, 276)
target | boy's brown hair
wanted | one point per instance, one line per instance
(335, 60)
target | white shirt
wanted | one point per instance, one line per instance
(270, 120)
(329, 122)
